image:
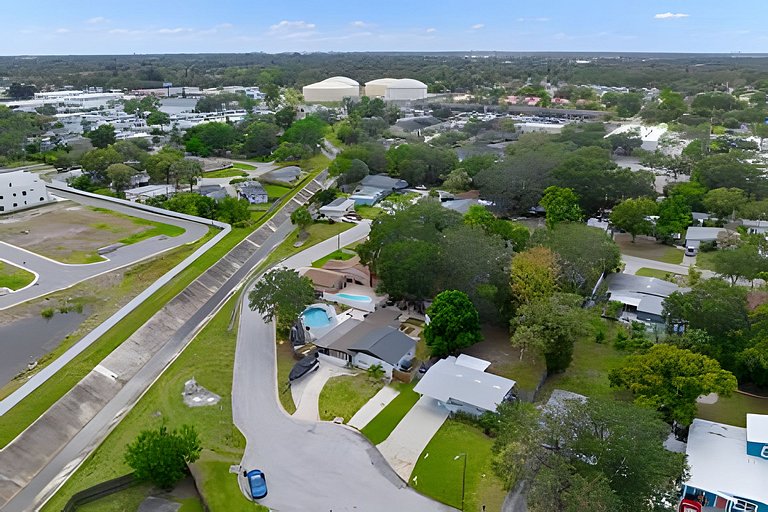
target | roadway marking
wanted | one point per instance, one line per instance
(254, 243)
(105, 372)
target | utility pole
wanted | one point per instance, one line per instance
(463, 476)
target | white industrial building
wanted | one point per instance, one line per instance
(20, 190)
(331, 89)
(396, 89)
(650, 135)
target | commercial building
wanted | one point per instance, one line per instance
(330, 90)
(396, 89)
(20, 190)
(728, 466)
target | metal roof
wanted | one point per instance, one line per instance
(447, 380)
(385, 343)
(703, 234)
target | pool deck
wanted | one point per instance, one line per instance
(356, 289)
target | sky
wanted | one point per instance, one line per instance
(52, 27)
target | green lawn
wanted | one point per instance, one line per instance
(368, 212)
(343, 255)
(385, 422)
(234, 172)
(733, 410)
(208, 358)
(705, 260)
(438, 473)
(219, 487)
(13, 277)
(654, 272)
(588, 373)
(285, 362)
(343, 396)
(645, 247)
(526, 372)
(318, 232)
(127, 500)
(244, 167)
(275, 191)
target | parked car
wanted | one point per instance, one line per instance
(690, 251)
(258, 483)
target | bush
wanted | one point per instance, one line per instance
(47, 313)
(161, 457)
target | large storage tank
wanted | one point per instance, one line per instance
(331, 89)
(406, 89)
(378, 88)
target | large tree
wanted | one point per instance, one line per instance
(726, 170)
(281, 293)
(102, 136)
(420, 164)
(632, 216)
(674, 218)
(599, 455)
(453, 324)
(301, 218)
(561, 205)
(186, 171)
(550, 326)
(407, 269)
(670, 379)
(120, 177)
(308, 132)
(260, 139)
(723, 202)
(744, 261)
(161, 456)
(533, 275)
(96, 161)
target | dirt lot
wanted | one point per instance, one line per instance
(647, 247)
(66, 231)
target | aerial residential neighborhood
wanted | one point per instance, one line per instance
(295, 257)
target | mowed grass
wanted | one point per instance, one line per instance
(28, 410)
(654, 272)
(234, 172)
(317, 233)
(275, 192)
(123, 501)
(244, 167)
(342, 255)
(379, 428)
(439, 471)
(13, 277)
(285, 362)
(706, 260)
(343, 396)
(368, 212)
(733, 409)
(219, 487)
(209, 359)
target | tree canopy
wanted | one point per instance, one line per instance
(161, 456)
(453, 324)
(281, 293)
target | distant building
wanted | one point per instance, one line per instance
(20, 190)
(374, 188)
(728, 467)
(253, 192)
(649, 135)
(148, 191)
(330, 90)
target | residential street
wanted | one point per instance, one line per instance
(309, 465)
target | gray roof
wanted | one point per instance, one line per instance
(646, 293)
(337, 202)
(416, 123)
(446, 380)
(385, 182)
(284, 174)
(207, 189)
(460, 205)
(347, 333)
(385, 343)
(252, 188)
(702, 234)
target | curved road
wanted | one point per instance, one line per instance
(315, 466)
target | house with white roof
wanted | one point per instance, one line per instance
(729, 467)
(337, 208)
(461, 384)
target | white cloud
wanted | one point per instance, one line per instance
(291, 26)
(62, 30)
(97, 20)
(477, 26)
(360, 24)
(431, 30)
(670, 15)
(177, 30)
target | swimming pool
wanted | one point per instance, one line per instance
(315, 317)
(358, 298)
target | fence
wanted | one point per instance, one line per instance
(99, 491)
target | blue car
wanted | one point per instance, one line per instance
(258, 483)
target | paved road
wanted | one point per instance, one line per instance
(55, 276)
(309, 465)
(633, 264)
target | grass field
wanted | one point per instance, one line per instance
(13, 277)
(733, 410)
(317, 232)
(343, 396)
(234, 172)
(275, 191)
(439, 471)
(645, 247)
(379, 428)
(208, 358)
(244, 167)
(343, 255)
(654, 272)
(368, 212)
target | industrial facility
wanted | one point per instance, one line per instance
(331, 89)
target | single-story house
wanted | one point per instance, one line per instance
(216, 192)
(695, 235)
(253, 192)
(143, 193)
(374, 188)
(755, 227)
(460, 205)
(729, 466)
(373, 340)
(462, 385)
(642, 297)
(337, 208)
(352, 269)
(324, 280)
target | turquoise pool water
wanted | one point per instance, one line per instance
(358, 298)
(315, 317)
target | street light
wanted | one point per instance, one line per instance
(463, 476)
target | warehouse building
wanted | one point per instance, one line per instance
(332, 89)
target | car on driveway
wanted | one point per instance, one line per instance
(258, 483)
